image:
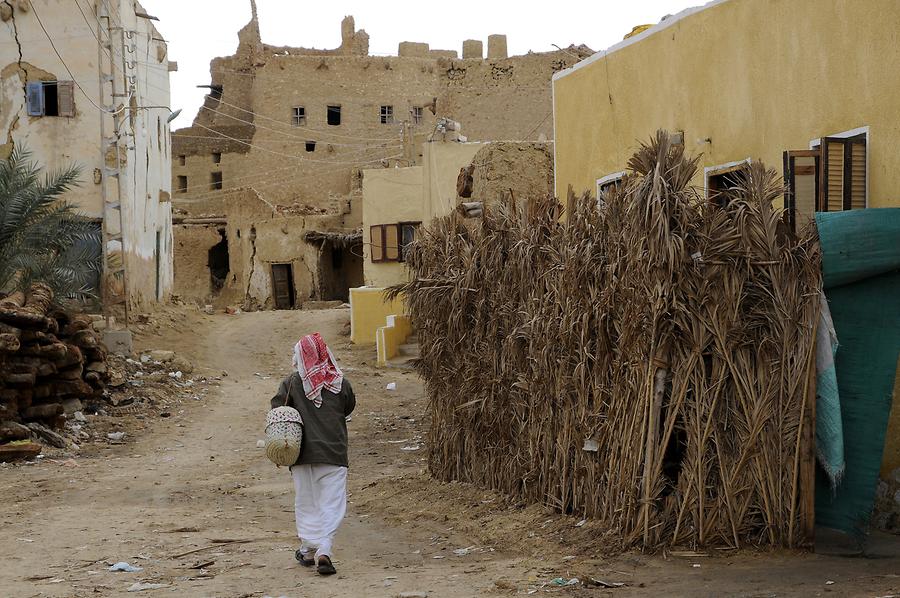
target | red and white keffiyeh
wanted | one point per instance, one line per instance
(317, 367)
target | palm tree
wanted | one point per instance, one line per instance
(42, 237)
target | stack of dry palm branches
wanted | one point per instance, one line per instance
(647, 363)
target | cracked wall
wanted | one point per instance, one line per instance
(494, 99)
(58, 141)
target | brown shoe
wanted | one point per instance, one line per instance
(325, 567)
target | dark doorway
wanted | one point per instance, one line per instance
(340, 269)
(217, 261)
(283, 285)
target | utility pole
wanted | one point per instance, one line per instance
(114, 279)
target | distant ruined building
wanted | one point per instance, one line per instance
(293, 129)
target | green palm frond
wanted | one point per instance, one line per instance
(42, 237)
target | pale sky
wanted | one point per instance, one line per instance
(199, 30)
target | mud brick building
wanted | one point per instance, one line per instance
(299, 126)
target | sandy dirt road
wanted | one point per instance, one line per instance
(196, 505)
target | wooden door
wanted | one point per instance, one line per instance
(283, 286)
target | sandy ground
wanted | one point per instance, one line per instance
(193, 501)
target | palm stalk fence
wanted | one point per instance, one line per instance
(648, 363)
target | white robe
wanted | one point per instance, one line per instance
(320, 504)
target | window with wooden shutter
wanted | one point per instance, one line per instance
(801, 178)
(35, 92)
(65, 97)
(843, 166)
(377, 240)
(392, 242)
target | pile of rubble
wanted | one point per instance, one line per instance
(298, 209)
(50, 360)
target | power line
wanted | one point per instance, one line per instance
(321, 132)
(282, 154)
(66, 66)
(218, 192)
(305, 138)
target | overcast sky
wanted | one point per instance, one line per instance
(198, 30)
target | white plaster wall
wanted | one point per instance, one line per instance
(58, 141)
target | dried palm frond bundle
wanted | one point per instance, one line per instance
(646, 364)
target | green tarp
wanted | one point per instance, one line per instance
(861, 272)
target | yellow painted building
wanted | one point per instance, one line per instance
(746, 80)
(396, 201)
(739, 80)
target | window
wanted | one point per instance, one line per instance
(608, 183)
(843, 164)
(334, 115)
(417, 115)
(310, 146)
(299, 116)
(51, 98)
(407, 236)
(217, 157)
(182, 184)
(831, 176)
(182, 160)
(720, 180)
(387, 115)
(215, 180)
(389, 241)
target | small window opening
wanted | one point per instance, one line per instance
(182, 184)
(51, 105)
(608, 184)
(215, 92)
(720, 185)
(417, 115)
(182, 160)
(334, 115)
(310, 146)
(387, 115)
(217, 157)
(215, 180)
(407, 236)
(299, 118)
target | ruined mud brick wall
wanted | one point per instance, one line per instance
(498, 98)
(256, 243)
(524, 168)
(193, 243)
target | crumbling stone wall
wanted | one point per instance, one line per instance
(495, 99)
(524, 168)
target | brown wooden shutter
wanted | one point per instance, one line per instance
(833, 174)
(857, 159)
(843, 173)
(391, 242)
(801, 177)
(65, 97)
(377, 234)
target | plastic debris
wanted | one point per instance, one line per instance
(127, 568)
(559, 581)
(391, 386)
(607, 584)
(591, 445)
(140, 587)
(581, 523)
(116, 435)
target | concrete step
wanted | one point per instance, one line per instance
(409, 350)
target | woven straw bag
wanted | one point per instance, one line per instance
(284, 434)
